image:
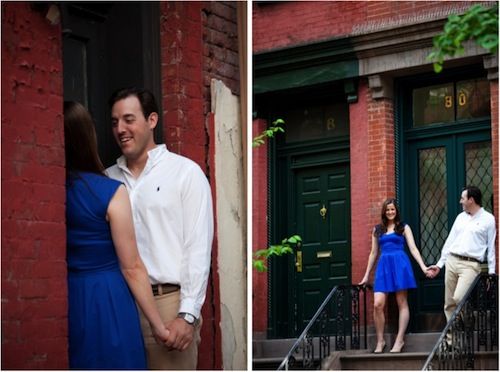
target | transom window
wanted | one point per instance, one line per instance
(316, 121)
(451, 102)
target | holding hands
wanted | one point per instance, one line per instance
(176, 334)
(432, 271)
(160, 334)
(181, 334)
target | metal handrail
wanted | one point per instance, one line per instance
(445, 352)
(318, 314)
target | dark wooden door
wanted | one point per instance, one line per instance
(323, 221)
(107, 46)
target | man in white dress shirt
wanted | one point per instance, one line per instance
(471, 237)
(172, 211)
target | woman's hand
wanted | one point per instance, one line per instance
(160, 334)
(364, 281)
(424, 269)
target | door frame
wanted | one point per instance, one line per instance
(406, 137)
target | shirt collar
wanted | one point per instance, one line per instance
(477, 214)
(154, 156)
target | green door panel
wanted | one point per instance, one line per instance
(323, 220)
(438, 170)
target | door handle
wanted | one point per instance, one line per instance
(298, 263)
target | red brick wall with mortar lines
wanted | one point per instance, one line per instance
(381, 156)
(360, 202)
(381, 176)
(34, 292)
(198, 42)
(259, 226)
(283, 24)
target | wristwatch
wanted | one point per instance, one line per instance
(189, 318)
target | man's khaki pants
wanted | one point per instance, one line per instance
(458, 278)
(158, 356)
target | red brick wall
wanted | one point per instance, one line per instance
(283, 24)
(34, 293)
(381, 155)
(220, 54)
(360, 199)
(198, 43)
(182, 80)
(381, 173)
(259, 226)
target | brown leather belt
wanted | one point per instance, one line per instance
(161, 289)
(465, 258)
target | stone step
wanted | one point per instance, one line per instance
(269, 353)
(360, 360)
(278, 348)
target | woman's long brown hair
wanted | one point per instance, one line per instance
(382, 228)
(80, 140)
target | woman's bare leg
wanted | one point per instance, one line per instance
(379, 301)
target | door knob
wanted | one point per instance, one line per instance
(323, 211)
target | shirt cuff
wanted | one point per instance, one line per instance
(189, 306)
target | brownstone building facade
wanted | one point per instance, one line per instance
(366, 118)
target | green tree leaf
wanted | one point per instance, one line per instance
(478, 23)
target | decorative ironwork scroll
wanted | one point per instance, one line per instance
(341, 308)
(473, 327)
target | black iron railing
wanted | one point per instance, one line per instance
(473, 327)
(337, 321)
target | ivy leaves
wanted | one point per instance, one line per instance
(478, 23)
(269, 133)
(286, 247)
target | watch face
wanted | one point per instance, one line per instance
(188, 318)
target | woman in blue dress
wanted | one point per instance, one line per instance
(393, 273)
(105, 271)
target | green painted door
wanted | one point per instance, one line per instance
(322, 217)
(446, 145)
(440, 168)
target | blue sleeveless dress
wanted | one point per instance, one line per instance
(104, 327)
(394, 272)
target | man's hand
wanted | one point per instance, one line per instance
(180, 336)
(432, 271)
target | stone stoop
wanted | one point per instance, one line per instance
(416, 350)
(415, 353)
(361, 360)
(268, 355)
(407, 361)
